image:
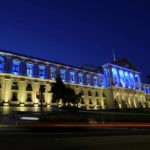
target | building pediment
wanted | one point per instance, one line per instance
(125, 63)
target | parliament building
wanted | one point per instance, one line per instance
(115, 85)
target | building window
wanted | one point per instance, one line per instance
(95, 81)
(80, 78)
(41, 71)
(29, 69)
(98, 102)
(88, 80)
(90, 101)
(53, 73)
(115, 77)
(29, 87)
(132, 81)
(82, 101)
(14, 86)
(14, 97)
(82, 92)
(96, 94)
(29, 98)
(62, 74)
(89, 93)
(16, 65)
(1, 64)
(102, 81)
(72, 77)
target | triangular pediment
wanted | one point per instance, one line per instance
(125, 63)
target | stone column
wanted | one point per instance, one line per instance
(22, 91)
(7, 91)
(111, 76)
(119, 78)
(36, 86)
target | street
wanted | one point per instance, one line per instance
(25, 141)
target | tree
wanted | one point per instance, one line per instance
(65, 93)
(58, 90)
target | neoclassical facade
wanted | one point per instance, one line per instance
(115, 85)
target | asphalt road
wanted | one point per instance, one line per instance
(71, 141)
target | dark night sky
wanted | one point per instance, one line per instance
(78, 32)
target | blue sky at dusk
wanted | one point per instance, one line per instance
(78, 32)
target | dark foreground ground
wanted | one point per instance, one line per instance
(16, 134)
(69, 141)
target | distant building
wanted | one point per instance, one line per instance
(115, 85)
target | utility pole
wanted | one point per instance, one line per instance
(113, 54)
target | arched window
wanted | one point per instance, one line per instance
(95, 80)
(62, 75)
(72, 77)
(80, 78)
(41, 71)
(96, 94)
(15, 86)
(16, 67)
(89, 93)
(29, 69)
(53, 73)
(1, 64)
(90, 101)
(29, 97)
(88, 80)
(14, 96)
(29, 87)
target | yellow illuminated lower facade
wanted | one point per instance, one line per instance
(18, 93)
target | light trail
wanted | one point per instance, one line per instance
(79, 124)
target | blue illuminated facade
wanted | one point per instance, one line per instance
(1, 64)
(110, 75)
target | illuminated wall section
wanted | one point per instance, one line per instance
(122, 78)
(72, 77)
(132, 81)
(88, 80)
(137, 77)
(127, 78)
(115, 77)
(145, 90)
(80, 75)
(106, 77)
(53, 73)
(148, 90)
(41, 71)
(1, 64)
(16, 66)
(29, 69)
(62, 75)
(102, 81)
(95, 81)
